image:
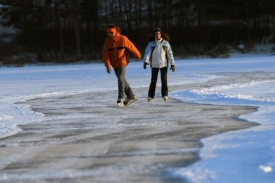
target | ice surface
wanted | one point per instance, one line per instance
(240, 81)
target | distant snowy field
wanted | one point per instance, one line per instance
(258, 143)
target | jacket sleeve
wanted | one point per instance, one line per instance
(147, 53)
(131, 48)
(170, 54)
(106, 56)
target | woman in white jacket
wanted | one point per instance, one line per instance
(159, 54)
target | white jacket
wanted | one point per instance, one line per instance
(158, 53)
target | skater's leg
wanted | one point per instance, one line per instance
(154, 78)
(120, 74)
(128, 91)
(164, 84)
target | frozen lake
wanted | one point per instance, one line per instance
(61, 124)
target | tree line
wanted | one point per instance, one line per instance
(71, 30)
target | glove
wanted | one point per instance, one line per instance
(173, 68)
(109, 69)
(145, 64)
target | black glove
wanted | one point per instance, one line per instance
(173, 68)
(145, 64)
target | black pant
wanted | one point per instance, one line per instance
(154, 78)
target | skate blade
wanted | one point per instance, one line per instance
(130, 102)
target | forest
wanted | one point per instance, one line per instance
(66, 31)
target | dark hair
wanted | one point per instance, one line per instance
(113, 26)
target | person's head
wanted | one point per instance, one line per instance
(157, 33)
(111, 30)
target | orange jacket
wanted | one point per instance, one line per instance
(115, 51)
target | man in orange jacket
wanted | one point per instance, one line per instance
(115, 50)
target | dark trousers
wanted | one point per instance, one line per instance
(154, 78)
(123, 86)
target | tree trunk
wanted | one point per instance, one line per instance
(57, 12)
(77, 35)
